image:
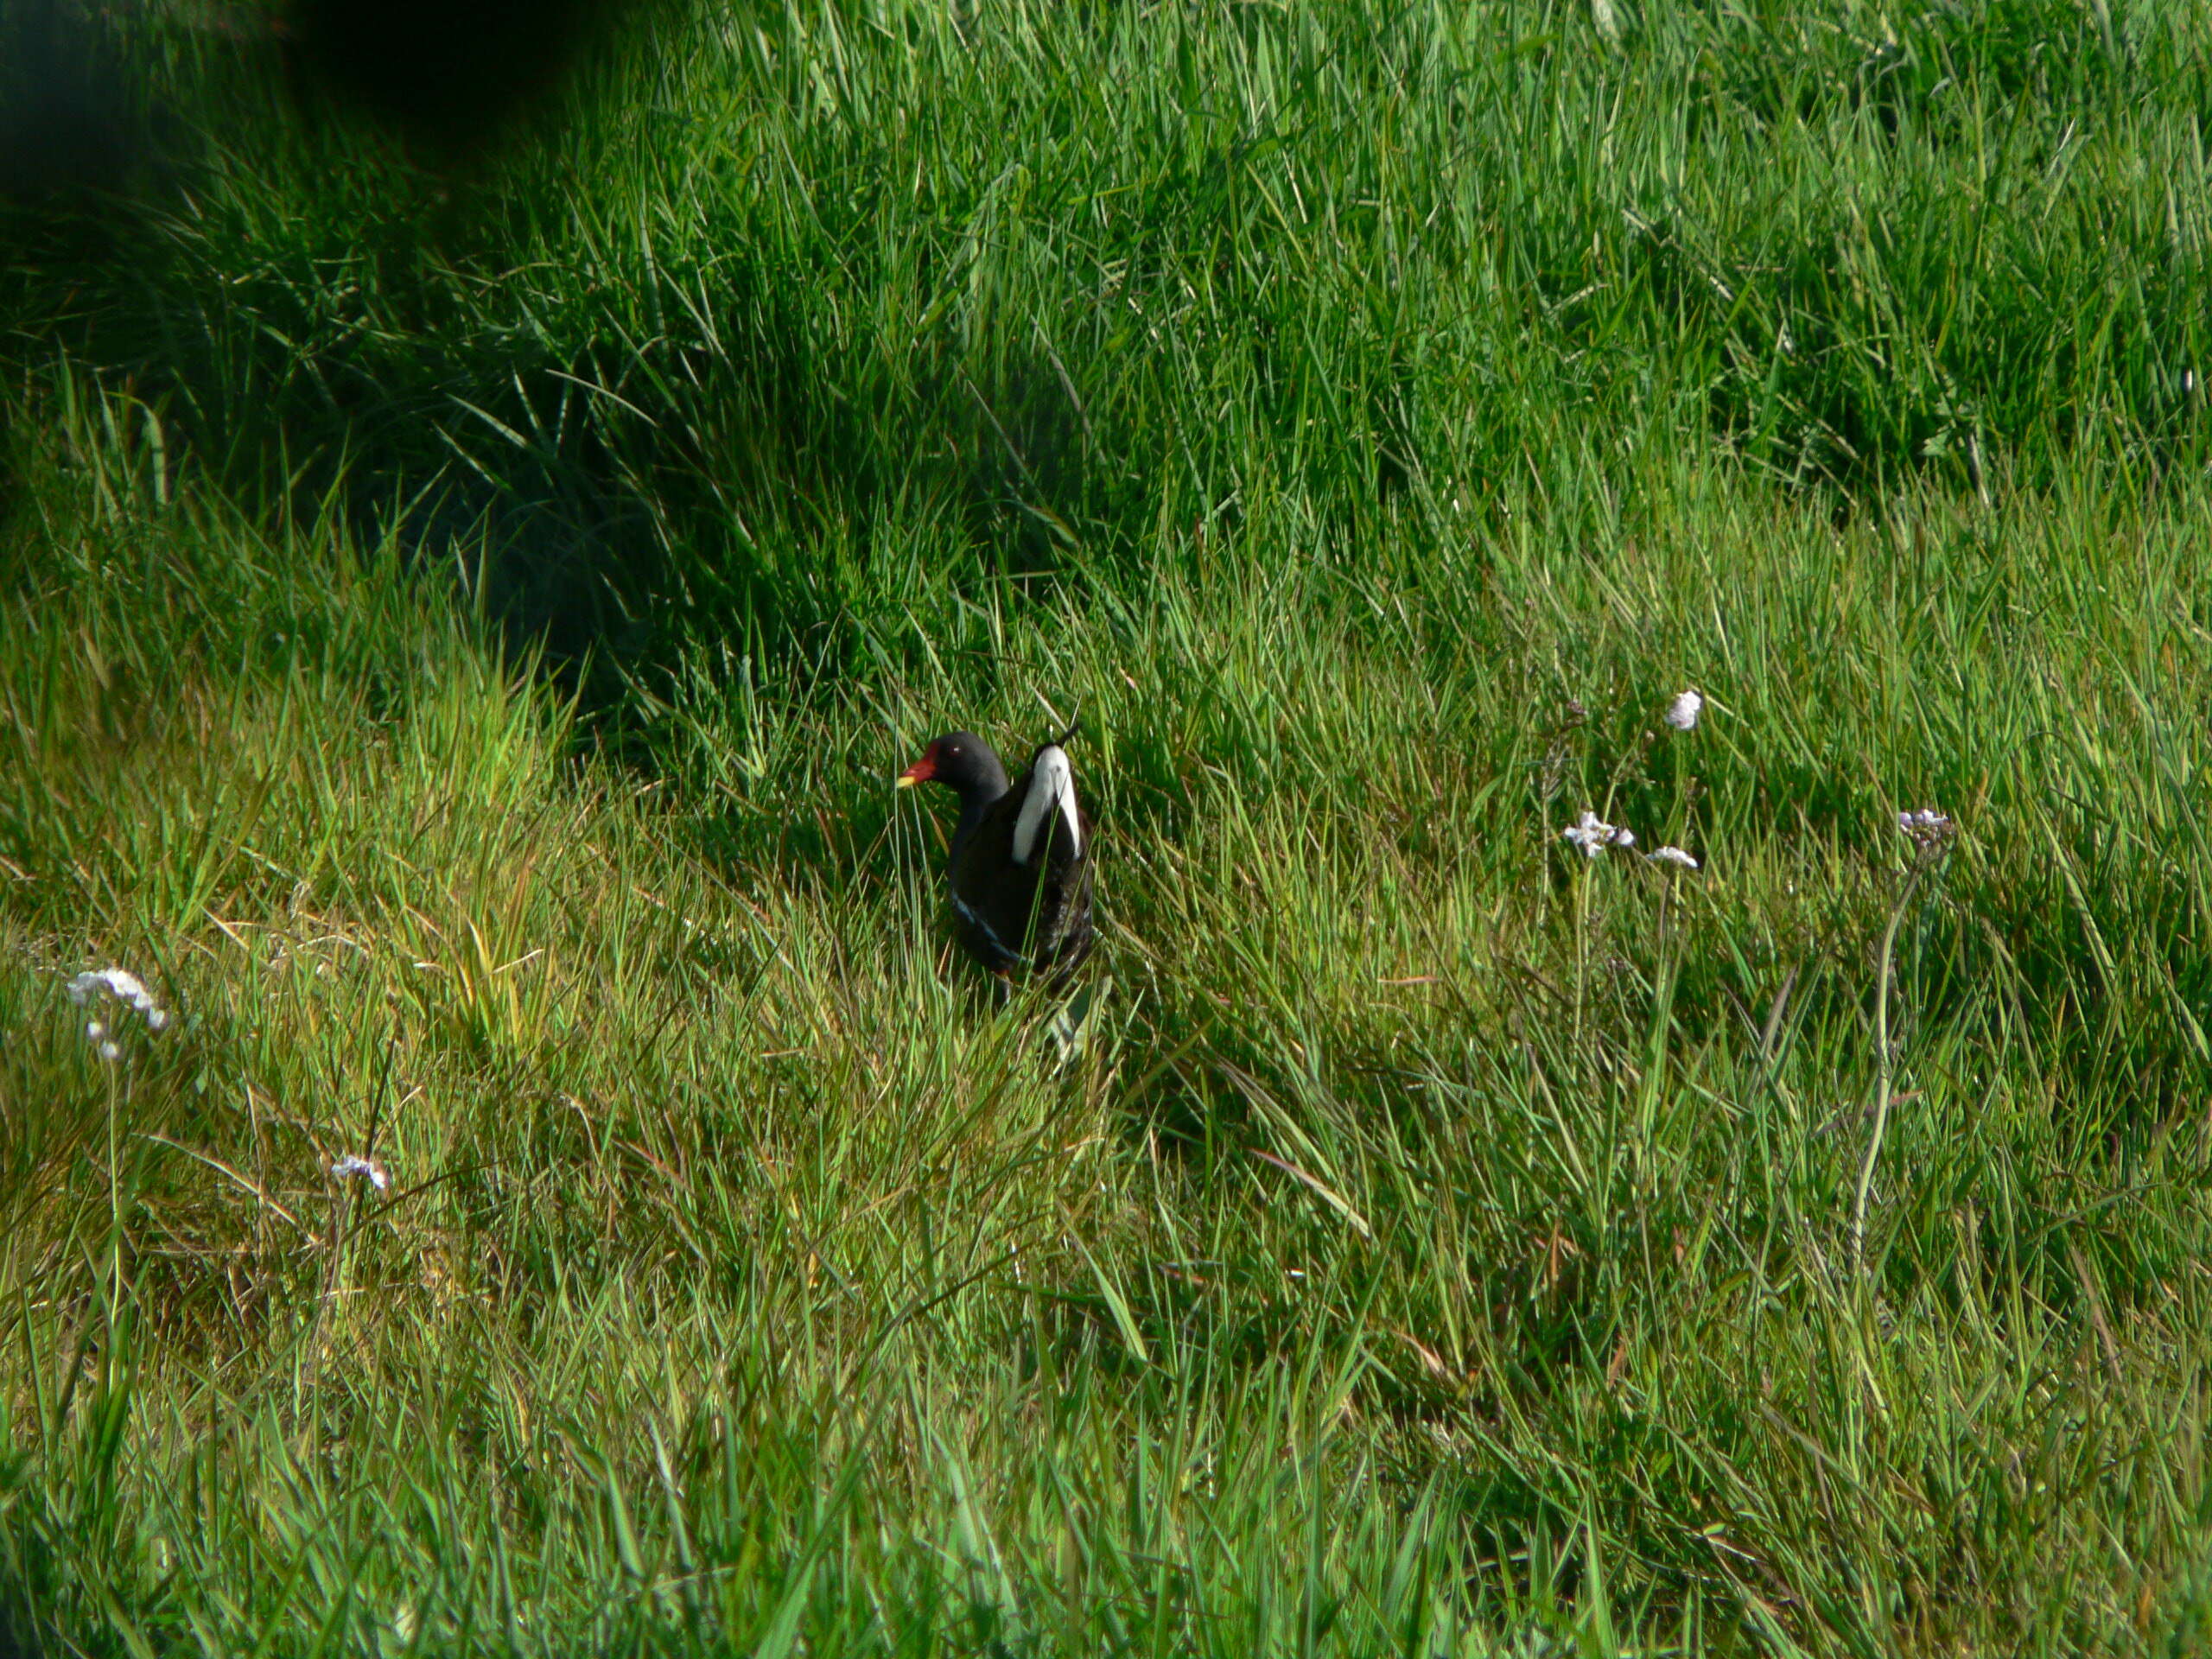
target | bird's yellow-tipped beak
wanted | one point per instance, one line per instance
(907, 780)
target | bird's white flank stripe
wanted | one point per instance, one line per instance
(1052, 785)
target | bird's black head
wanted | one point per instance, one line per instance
(964, 763)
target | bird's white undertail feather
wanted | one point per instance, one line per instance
(1052, 786)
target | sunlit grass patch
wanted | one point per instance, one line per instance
(575, 1200)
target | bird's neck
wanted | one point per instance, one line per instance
(977, 800)
(971, 814)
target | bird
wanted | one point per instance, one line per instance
(1019, 873)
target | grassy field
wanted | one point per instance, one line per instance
(459, 617)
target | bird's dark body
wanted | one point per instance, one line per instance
(1010, 916)
(1014, 916)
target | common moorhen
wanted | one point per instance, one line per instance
(1019, 872)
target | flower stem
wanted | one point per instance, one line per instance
(1884, 975)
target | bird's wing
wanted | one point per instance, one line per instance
(991, 894)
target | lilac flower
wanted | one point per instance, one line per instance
(1930, 831)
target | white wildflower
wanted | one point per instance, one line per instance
(108, 1051)
(119, 983)
(125, 988)
(1593, 835)
(353, 1165)
(1682, 713)
(1674, 856)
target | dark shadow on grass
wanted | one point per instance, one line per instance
(605, 505)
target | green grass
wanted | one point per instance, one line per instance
(458, 626)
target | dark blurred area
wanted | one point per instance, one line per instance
(108, 111)
(64, 117)
(448, 73)
(447, 77)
